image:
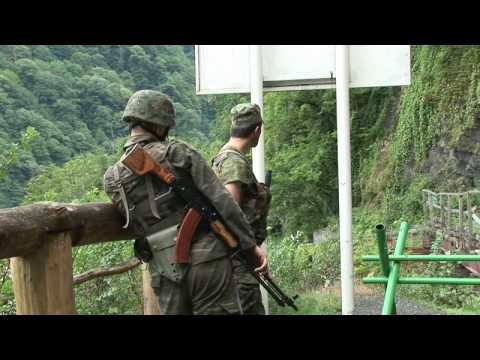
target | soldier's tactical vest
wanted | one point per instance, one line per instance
(256, 197)
(151, 209)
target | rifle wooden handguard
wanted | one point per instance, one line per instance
(185, 235)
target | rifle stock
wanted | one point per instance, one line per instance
(141, 163)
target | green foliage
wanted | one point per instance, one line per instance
(444, 296)
(300, 265)
(78, 181)
(451, 296)
(313, 302)
(439, 107)
(74, 96)
(7, 301)
(364, 239)
(118, 294)
(309, 270)
(11, 156)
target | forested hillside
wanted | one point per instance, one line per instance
(74, 95)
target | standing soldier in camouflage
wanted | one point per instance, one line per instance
(234, 170)
(150, 208)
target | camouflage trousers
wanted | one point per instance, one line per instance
(208, 288)
(249, 290)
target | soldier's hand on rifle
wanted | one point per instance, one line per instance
(262, 260)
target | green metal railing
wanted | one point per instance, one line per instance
(390, 266)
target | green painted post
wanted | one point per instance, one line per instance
(395, 271)
(382, 248)
(454, 258)
(424, 281)
(383, 251)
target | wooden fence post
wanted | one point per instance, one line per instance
(449, 213)
(442, 211)
(425, 207)
(43, 280)
(150, 301)
(460, 221)
(469, 220)
(431, 211)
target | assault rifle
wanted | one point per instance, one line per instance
(141, 163)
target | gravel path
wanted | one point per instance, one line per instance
(372, 305)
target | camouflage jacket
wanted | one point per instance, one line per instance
(231, 166)
(168, 209)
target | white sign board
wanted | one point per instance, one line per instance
(222, 69)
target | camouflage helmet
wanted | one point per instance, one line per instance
(246, 115)
(150, 106)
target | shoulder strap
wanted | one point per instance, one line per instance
(151, 196)
(123, 196)
(223, 154)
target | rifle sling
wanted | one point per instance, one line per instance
(123, 196)
(151, 196)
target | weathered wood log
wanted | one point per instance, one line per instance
(24, 229)
(460, 221)
(469, 220)
(447, 193)
(150, 300)
(442, 211)
(449, 214)
(106, 271)
(43, 281)
(431, 210)
(425, 207)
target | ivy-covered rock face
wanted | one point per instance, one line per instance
(458, 167)
(434, 142)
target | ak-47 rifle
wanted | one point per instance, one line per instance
(140, 162)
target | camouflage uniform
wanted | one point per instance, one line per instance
(153, 211)
(232, 166)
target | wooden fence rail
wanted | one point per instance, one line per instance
(40, 238)
(455, 221)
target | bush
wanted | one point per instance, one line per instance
(301, 266)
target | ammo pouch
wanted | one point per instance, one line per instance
(162, 245)
(142, 250)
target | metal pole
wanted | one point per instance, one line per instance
(342, 69)
(423, 258)
(258, 152)
(383, 252)
(424, 281)
(382, 248)
(395, 271)
(460, 233)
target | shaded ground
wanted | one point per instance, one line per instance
(372, 305)
(369, 301)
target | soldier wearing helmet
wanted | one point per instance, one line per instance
(154, 212)
(234, 170)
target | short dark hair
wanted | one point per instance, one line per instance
(243, 132)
